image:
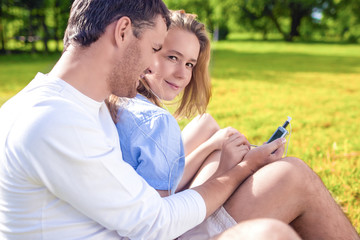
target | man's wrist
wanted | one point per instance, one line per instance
(247, 167)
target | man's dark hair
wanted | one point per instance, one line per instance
(89, 18)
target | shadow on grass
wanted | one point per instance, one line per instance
(28, 58)
(314, 42)
(229, 64)
(294, 42)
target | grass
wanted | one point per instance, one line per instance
(19, 69)
(256, 85)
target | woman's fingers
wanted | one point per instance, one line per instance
(237, 139)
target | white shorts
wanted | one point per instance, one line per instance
(215, 224)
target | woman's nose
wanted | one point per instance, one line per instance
(181, 72)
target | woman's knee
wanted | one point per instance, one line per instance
(207, 122)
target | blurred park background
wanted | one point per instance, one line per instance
(270, 59)
(38, 25)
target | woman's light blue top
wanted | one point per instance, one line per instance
(151, 143)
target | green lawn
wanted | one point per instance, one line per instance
(256, 85)
(19, 69)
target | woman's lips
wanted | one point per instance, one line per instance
(172, 85)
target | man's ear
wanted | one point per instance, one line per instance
(123, 30)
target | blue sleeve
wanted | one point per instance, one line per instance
(155, 149)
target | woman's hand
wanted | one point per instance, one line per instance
(217, 140)
(234, 148)
(265, 154)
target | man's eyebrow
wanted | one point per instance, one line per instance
(181, 55)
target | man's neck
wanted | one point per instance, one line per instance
(85, 69)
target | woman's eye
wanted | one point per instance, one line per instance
(190, 65)
(172, 58)
(156, 49)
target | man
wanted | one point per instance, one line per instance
(62, 174)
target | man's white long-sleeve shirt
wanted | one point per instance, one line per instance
(62, 175)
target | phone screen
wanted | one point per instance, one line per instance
(280, 132)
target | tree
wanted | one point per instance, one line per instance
(35, 10)
(56, 19)
(201, 8)
(210, 12)
(260, 13)
(5, 16)
(2, 35)
(342, 18)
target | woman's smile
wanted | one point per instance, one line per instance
(172, 85)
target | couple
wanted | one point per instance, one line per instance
(61, 167)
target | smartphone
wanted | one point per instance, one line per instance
(280, 131)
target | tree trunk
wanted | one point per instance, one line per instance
(31, 31)
(297, 12)
(2, 30)
(296, 15)
(57, 19)
(277, 25)
(46, 30)
(264, 33)
(56, 28)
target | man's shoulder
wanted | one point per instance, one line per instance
(41, 110)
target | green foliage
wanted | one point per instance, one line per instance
(293, 19)
(199, 7)
(343, 19)
(30, 22)
(24, 21)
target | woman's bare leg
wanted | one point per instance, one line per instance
(288, 190)
(207, 169)
(198, 148)
(199, 130)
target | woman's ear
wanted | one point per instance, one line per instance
(123, 30)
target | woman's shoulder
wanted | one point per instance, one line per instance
(142, 112)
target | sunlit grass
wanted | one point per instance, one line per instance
(256, 85)
(19, 69)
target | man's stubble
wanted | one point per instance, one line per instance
(123, 79)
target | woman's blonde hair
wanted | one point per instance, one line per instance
(196, 95)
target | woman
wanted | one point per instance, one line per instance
(281, 189)
(151, 138)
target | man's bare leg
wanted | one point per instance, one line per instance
(259, 229)
(290, 191)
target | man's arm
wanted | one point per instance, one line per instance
(83, 168)
(219, 188)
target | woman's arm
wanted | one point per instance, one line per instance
(196, 159)
(201, 137)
